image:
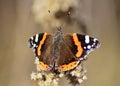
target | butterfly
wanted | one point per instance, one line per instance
(61, 52)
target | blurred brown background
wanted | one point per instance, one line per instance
(17, 25)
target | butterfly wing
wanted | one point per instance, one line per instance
(66, 59)
(73, 49)
(81, 45)
(42, 47)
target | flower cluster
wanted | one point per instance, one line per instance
(78, 75)
(47, 78)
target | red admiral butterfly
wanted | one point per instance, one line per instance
(61, 52)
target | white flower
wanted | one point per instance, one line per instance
(61, 75)
(38, 67)
(33, 76)
(84, 77)
(55, 82)
(36, 60)
(80, 81)
(39, 76)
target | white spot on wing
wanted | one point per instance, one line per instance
(36, 38)
(94, 39)
(84, 47)
(34, 45)
(87, 39)
(81, 59)
(31, 38)
(89, 47)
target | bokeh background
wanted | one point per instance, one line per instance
(21, 19)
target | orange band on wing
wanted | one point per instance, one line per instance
(68, 66)
(78, 44)
(43, 66)
(40, 44)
